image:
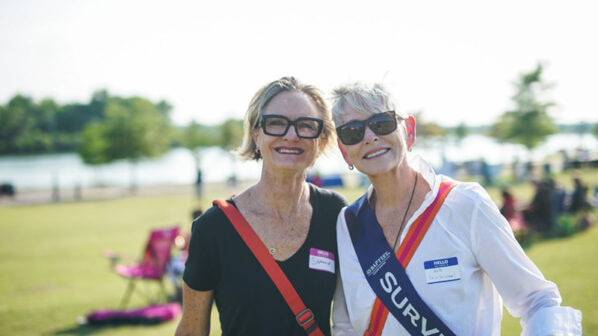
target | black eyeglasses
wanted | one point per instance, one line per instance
(380, 123)
(278, 125)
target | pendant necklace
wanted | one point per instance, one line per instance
(405, 215)
(272, 250)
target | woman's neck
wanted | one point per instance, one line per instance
(283, 192)
(394, 187)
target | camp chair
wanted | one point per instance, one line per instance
(153, 265)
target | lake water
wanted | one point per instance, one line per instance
(178, 167)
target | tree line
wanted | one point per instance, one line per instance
(27, 126)
(106, 128)
(110, 127)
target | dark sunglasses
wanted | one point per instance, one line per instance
(278, 125)
(352, 132)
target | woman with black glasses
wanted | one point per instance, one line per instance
(423, 254)
(287, 126)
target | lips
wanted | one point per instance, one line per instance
(375, 153)
(289, 150)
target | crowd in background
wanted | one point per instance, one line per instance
(552, 211)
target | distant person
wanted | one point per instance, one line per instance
(509, 211)
(529, 170)
(580, 205)
(486, 173)
(423, 254)
(540, 213)
(559, 204)
(508, 204)
(579, 200)
(176, 265)
(199, 184)
(287, 126)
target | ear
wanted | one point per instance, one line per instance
(345, 156)
(410, 128)
(254, 135)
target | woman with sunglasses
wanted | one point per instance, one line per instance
(287, 126)
(420, 253)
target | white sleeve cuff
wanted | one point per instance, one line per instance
(557, 321)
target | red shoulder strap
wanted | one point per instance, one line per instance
(303, 315)
(414, 236)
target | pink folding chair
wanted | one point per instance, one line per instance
(153, 265)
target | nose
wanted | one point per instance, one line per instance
(369, 136)
(291, 133)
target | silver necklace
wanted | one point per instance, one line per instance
(272, 250)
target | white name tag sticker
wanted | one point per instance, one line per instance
(321, 260)
(442, 270)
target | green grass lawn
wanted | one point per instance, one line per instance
(52, 269)
(565, 262)
(52, 264)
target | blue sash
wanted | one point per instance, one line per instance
(386, 275)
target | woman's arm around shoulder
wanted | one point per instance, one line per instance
(197, 309)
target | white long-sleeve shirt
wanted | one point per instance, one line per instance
(492, 267)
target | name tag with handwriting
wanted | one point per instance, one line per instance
(442, 270)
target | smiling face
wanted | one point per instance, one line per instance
(288, 152)
(376, 154)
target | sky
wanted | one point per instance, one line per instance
(455, 61)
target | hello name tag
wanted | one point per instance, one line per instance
(321, 260)
(442, 270)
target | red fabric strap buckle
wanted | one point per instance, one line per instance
(304, 320)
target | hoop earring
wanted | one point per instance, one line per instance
(351, 167)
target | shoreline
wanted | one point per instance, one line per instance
(49, 196)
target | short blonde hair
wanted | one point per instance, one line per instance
(362, 97)
(248, 149)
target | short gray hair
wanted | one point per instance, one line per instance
(364, 98)
(248, 149)
(367, 99)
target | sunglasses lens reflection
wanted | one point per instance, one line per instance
(381, 124)
(351, 134)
